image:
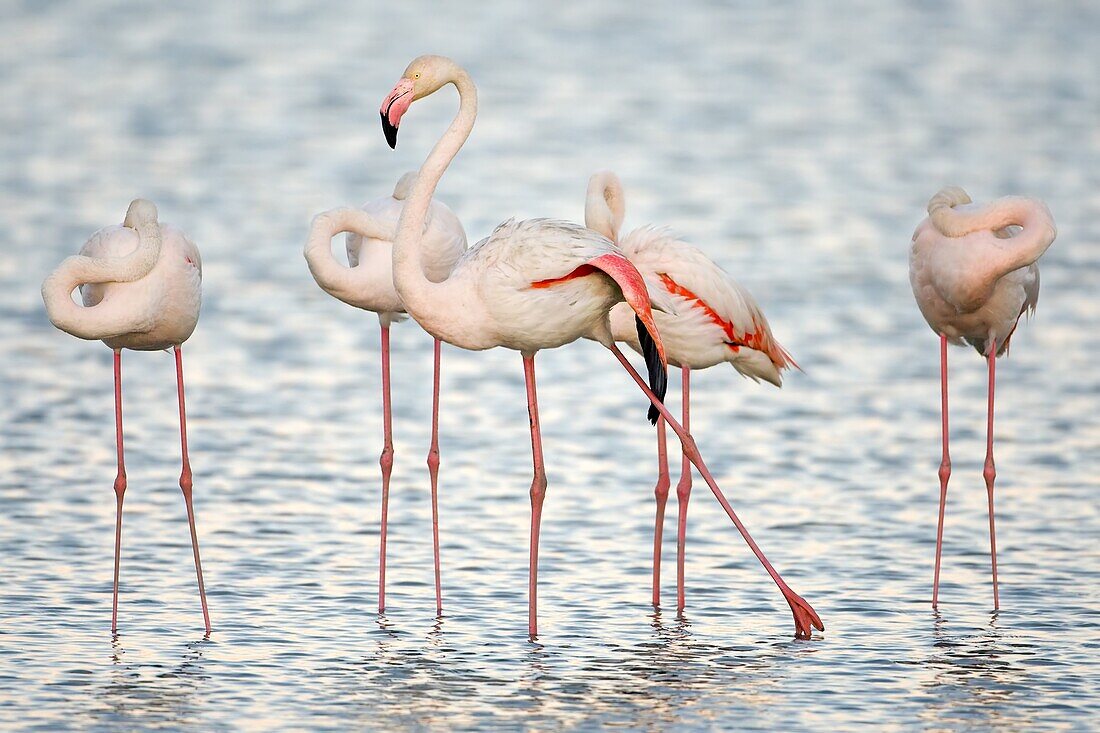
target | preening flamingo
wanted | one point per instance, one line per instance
(713, 321)
(973, 271)
(367, 283)
(530, 285)
(141, 284)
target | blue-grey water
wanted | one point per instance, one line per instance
(796, 142)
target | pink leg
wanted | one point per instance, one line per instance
(661, 492)
(990, 472)
(120, 484)
(683, 493)
(433, 471)
(804, 615)
(386, 462)
(945, 468)
(186, 485)
(538, 493)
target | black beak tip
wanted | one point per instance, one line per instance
(389, 130)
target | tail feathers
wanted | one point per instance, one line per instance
(757, 366)
(658, 373)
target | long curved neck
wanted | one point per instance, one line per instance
(605, 205)
(417, 292)
(334, 277)
(1037, 229)
(108, 318)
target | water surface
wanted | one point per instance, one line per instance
(797, 144)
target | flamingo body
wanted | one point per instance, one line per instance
(140, 283)
(367, 282)
(973, 272)
(714, 320)
(957, 294)
(141, 286)
(515, 289)
(711, 320)
(171, 294)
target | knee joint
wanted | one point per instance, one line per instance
(386, 459)
(683, 489)
(186, 482)
(538, 485)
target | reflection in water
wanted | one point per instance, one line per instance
(141, 695)
(976, 674)
(654, 680)
(796, 142)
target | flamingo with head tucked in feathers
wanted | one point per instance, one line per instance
(141, 286)
(530, 285)
(714, 320)
(367, 283)
(973, 271)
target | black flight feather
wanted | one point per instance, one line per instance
(658, 375)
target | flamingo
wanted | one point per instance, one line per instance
(530, 285)
(141, 285)
(368, 284)
(714, 320)
(973, 271)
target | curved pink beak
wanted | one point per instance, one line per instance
(394, 106)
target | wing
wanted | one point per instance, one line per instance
(444, 238)
(520, 253)
(386, 210)
(520, 259)
(1027, 279)
(110, 242)
(704, 290)
(1031, 291)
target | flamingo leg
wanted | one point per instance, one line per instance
(386, 462)
(433, 472)
(660, 491)
(804, 615)
(990, 472)
(538, 493)
(120, 484)
(945, 468)
(683, 493)
(186, 484)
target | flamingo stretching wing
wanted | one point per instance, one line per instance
(713, 320)
(529, 286)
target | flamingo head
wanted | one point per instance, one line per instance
(141, 211)
(605, 205)
(404, 185)
(425, 75)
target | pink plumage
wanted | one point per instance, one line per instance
(973, 271)
(709, 319)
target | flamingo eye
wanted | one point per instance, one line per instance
(416, 75)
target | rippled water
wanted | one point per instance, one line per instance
(796, 143)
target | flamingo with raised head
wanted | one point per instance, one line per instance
(141, 285)
(530, 285)
(367, 283)
(973, 271)
(713, 320)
